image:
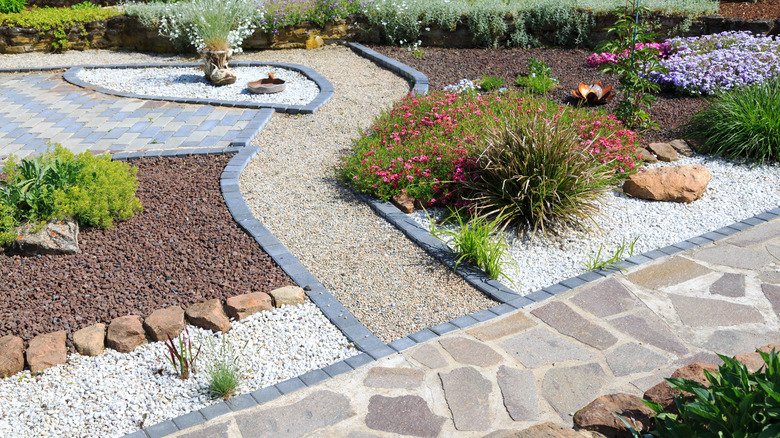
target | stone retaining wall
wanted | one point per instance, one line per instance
(127, 33)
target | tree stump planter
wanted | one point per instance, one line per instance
(215, 67)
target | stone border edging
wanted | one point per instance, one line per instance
(326, 87)
(418, 80)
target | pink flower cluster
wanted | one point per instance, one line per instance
(609, 142)
(597, 59)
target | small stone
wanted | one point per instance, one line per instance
(403, 202)
(601, 415)
(46, 351)
(208, 315)
(470, 352)
(165, 323)
(675, 184)
(288, 296)
(664, 394)
(682, 148)
(382, 377)
(125, 333)
(56, 237)
(468, 397)
(241, 306)
(664, 151)
(645, 155)
(90, 341)
(404, 415)
(11, 355)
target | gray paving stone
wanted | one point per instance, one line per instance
(317, 410)
(161, 429)
(633, 358)
(540, 346)
(772, 293)
(470, 352)
(704, 312)
(606, 298)
(731, 342)
(383, 377)
(774, 250)
(518, 389)
(189, 420)
(405, 415)
(429, 356)
(570, 323)
(735, 257)
(569, 389)
(756, 235)
(645, 326)
(729, 285)
(468, 396)
(673, 271)
(501, 327)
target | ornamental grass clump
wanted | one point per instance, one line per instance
(209, 24)
(742, 124)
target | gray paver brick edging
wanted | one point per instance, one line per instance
(325, 86)
(417, 79)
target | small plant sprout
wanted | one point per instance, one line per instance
(490, 83)
(224, 370)
(180, 354)
(596, 262)
(538, 80)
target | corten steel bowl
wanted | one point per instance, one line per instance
(267, 85)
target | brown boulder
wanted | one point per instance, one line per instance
(165, 322)
(46, 351)
(11, 355)
(753, 361)
(601, 415)
(90, 341)
(125, 333)
(664, 151)
(676, 184)
(288, 296)
(664, 394)
(682, 148)
(241, 306)
(645, 155)
(208, 315)
(404, 202)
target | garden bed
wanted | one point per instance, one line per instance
(183, 248)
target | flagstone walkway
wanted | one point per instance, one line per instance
(537, 364)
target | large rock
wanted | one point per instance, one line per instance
(676, 184)
(164, 323)
(241, 306)
(601, 415)
(56, 237)
(664, 394)
(664, 151)
(645, 155)
(753, 361)
(90, 341)
(682, 148)
(46, 351)
(288, 296)
(208, 315)
(404, 202)
(11, 355)
(125, 333)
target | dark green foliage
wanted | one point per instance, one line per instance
(742, 124)
(12, 6)
(737, 404)
(490, 83)
(539, 79)
(534, 175)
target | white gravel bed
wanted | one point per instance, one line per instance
(89, 57)
(190, 82)
(112, 394)
(735, 193)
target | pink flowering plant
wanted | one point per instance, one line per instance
(660, 50)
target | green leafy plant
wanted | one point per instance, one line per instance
(636, 70)
(476, 240)
(181, 356)
(596, 262)
(741, 124)
(737, 403)
(538, 80)
(490, 83)
(60, 42)
(45, 19)
(225, 370)
(12, 6)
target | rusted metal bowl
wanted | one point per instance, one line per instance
(266, 86)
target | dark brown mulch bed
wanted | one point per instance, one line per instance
(749, 10)
(184, 248)
(447, 66)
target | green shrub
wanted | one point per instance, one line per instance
(224, 371)
(742, 124)
(52, 18)
(533, 174)
(490, 83)
(737, 403)
(538, 80)
(12, 6)
(7, 223)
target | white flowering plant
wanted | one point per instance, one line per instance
(210, 24)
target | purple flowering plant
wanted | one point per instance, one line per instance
(280, 13)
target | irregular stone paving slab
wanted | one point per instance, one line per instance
(673, 271)
(774, 250)
(645, 383)
(509, 325)
(382, 377)
(469, 352)
(735, 257)
(405, 415)
(701, 357)
(569, 389)
(770, 277)
(468, 397)
(606, 298)
(518, 388)
(633, 358)
(570, 323)
(319, 409)
(216, 431)
(772, 293)
(705, 312)
(731, 342)
(730, 285)
(539, 347)
(429, 356)
(546, 430)
(645, 326)
(757, 234)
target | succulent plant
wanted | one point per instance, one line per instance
(595, 93)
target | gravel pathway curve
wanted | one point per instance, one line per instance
(391, 285)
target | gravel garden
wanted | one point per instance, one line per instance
(501, 146)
